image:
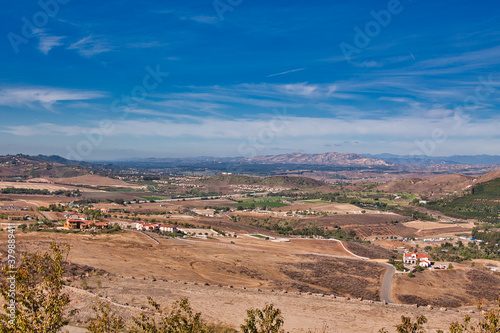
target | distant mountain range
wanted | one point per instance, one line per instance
(338, 159)
(433, 160)
(341, 159)
(330, 161)
(325, 159)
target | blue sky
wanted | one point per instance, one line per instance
(97, 80)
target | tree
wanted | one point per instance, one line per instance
(104, 321)
(490, 322)
(38, 298)
(181, 319)
(407, 326)
(267, 320)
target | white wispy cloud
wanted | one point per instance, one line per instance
(367, 64)
(90, 46)
(146, 45)
(48, 42)
(287, 72)
(407, 128)
(45, 97)
(201, 19)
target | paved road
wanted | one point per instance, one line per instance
(385, 289)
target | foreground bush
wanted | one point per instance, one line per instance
(489, 323)
(267, 320)
(38, 299)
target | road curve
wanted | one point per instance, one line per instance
(385, 289)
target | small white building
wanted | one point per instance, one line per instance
(146, 226)
(424, 260)
(168, 228)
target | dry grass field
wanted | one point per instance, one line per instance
(41, 186)
(24, 200)
(436, 229)
(228, 305)
(95, 180)
(258, 271)
(213, 261)
(463, 285)
(339, 208)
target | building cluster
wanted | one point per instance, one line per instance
(412, 258)
(82, 221)
(243, 188)
(84, 224)
(14, 208)
(143, 226)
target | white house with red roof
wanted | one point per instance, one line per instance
(424, 260)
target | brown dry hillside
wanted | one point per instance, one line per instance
(489, 176)
(440, 185)
(24, 166)
(446, 184)
(449, 288)
(300, 265)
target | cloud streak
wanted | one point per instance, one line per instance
(287, 72)
(45, 97)
(90, 46)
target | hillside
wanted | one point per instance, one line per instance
(438, 186)
(27, 167)
(483, 203)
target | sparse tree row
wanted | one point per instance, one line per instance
(40, 307)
